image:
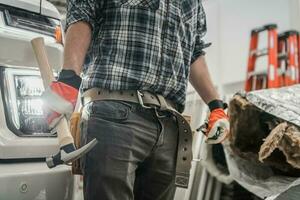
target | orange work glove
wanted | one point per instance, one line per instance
(216, 128)
(61, 96)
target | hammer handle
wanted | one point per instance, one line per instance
(63, 131)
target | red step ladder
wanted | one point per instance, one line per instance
(288, 58)
(268, 78)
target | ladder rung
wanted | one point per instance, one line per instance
(259, 53)
(265, 73)
(282, 56)
(258, 73)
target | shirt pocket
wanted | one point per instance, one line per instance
(188, 24)
(144, 4)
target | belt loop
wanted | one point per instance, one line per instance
(140, 99)
(162, 102)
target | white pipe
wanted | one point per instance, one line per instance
(209, 188)
(202, 185)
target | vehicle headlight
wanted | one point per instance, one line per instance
(22, 89)
(22, 19)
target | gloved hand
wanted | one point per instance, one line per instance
(61, 97)
(216, 127)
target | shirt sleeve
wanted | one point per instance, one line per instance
(201, 31)
(78, 10)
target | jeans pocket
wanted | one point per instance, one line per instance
(110, 110)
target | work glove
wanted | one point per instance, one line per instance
(216, 127)
(60, 97)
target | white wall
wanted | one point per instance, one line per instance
(229, 25)
(295, 14)
(212, 35)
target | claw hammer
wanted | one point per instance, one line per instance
(63, 132)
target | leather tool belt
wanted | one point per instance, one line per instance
(149, 101)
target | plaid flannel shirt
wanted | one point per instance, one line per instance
(141, 44)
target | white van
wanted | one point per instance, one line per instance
(25, 139)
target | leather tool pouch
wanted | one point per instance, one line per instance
(75, 131)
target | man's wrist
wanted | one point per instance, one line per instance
(216, 104)
(69, 77)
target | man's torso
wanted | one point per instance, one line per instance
(143, 44)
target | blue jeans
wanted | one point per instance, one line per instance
(135, 157)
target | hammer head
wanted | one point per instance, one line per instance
(69, 153)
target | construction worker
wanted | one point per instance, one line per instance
(136, 57)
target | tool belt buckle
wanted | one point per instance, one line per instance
(140, 99)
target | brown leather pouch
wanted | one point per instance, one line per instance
(75, 131)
